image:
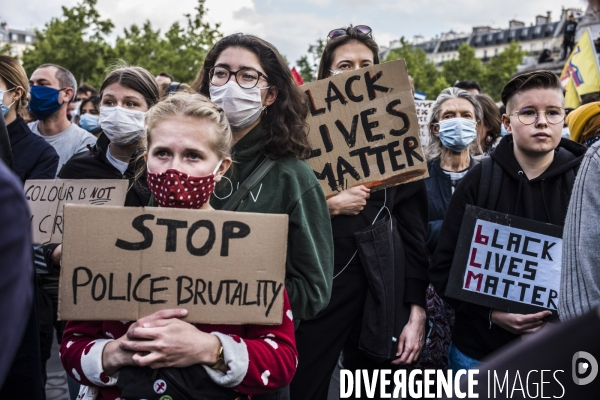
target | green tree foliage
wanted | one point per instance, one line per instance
(76, 41)
(427, 78)
(464, 68)
(180, 52)
(309, 64)
(500, 68)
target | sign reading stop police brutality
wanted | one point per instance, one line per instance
(123, 263)
(506, 263)
(46, 198)
(364, 129)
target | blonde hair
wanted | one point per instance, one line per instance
(13, 74)
(183, 104)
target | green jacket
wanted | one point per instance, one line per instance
(289, 188)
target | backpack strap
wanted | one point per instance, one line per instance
(485, 181)
(495, 184)
(570, 180)
(250, 183)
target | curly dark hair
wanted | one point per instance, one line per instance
(286, 130)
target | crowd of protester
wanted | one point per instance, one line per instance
(244, 107)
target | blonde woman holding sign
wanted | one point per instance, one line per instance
(188, 138)
(352, 211)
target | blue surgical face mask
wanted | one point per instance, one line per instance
(44, 101)
(503, 130)
(457, 133)
(89, 122)
(5, 109)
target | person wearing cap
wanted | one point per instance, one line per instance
(584, 124)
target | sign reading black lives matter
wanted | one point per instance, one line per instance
(46, 198)
(124, 263)
(364, 129)
(506, 263)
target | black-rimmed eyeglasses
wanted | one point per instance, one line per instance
(246, 78)
(360, 29)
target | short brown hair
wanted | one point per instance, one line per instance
(286, 130)
(530, 80)
(13, 74)
(135, 78)
(491, 115)
(332, 45)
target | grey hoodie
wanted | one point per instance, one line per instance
(580, 278)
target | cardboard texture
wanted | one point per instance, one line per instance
(364, 129)
(124, 263)
(506, 263)
(46, 199)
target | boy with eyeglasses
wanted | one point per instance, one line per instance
(538, 172)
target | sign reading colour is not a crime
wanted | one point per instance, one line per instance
(46, 198)
(507, 263)
(124, 263)
(364, 129)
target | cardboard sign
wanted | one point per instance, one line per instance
(364, 129)
(124, 263)
(46, 199)
(506, 263)
(423, 108)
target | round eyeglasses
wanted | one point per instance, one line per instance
(528, 116)
(246, 78)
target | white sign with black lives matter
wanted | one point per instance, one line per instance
(506, 262)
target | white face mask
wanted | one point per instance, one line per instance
(75, 111)
(242, 106)
(122, 126)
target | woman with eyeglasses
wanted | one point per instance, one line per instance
(531, 175)
(338, 327)
(250, 80)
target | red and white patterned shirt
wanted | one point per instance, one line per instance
(260, 358)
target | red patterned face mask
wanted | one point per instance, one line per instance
(176, 189)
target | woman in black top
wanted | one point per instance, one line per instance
(33, 156)
(321, 339)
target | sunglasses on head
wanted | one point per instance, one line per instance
(360, 29)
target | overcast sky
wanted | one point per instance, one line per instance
(291, 25)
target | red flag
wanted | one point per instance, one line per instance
(297, 77)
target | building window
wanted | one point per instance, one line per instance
(28, 39)
(485, 54)
(532, 48)
(478, 39)
(490, 37)
(501, 35)
(537, 30)
(524, 32)
(512, 33)
(496, 52)
(14, 37)
(1, 37)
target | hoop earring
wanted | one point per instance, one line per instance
(230, 193)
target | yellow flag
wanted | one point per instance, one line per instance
(572, 99)
(581, 70)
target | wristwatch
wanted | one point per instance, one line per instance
(220, 359)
